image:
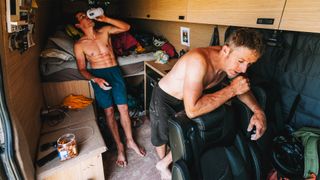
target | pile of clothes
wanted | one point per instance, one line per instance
(125, 43)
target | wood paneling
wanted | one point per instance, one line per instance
(200, 34)
(55, 92)
(168, 9)
(236, 13)
(301, 16)
(21, 143)
(22, 80)
(135, 8)
(23, 91)
(91, 168)
(293, 15)
(150, 9)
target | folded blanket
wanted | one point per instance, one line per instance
(65, 44)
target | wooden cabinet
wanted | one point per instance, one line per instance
(293, 15)
(135, 8)
(153, 72)
(237, 13)
(301, 16)
(171, 10)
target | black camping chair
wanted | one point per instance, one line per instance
(215, 146)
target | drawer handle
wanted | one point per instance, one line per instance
(148, 15)
(267, 21)
(181, 17)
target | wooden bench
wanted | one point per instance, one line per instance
(88, 163)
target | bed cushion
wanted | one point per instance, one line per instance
(51, 67)
(64, 43)
(68, 74)
(47, 68)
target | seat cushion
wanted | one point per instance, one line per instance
(217, 127)
(214, 165)
(180, 127)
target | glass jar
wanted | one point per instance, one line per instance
(67, 146)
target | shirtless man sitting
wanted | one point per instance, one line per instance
(200, 69)
(95, 46)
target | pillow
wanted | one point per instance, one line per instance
(73, 32)
(64, 43)
(51, 45)
(57, 53)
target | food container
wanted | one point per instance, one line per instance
(67, 146)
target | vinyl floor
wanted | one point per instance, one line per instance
(138, 168)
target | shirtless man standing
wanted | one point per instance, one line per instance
(95, 46)
(200, 69)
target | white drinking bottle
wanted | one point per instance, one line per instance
(94, 12)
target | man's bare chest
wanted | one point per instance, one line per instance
(95, 48)
(213, 79)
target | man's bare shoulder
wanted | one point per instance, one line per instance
(204, 55)
(196, 56)
(80, 41)
(104, 29)
(77, 45)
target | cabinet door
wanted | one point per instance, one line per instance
(172, 10)
(236, 12)
(135, 8)
(301, 15)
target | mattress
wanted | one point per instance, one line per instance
(130, 65)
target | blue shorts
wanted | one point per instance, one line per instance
(116, 95)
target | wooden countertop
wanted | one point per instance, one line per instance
(162, 69)
(72, 117)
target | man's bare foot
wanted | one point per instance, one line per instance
(139, 150)
(121, 160)
(164, 170)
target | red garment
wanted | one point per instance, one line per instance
(122, 42)
(168, 48)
